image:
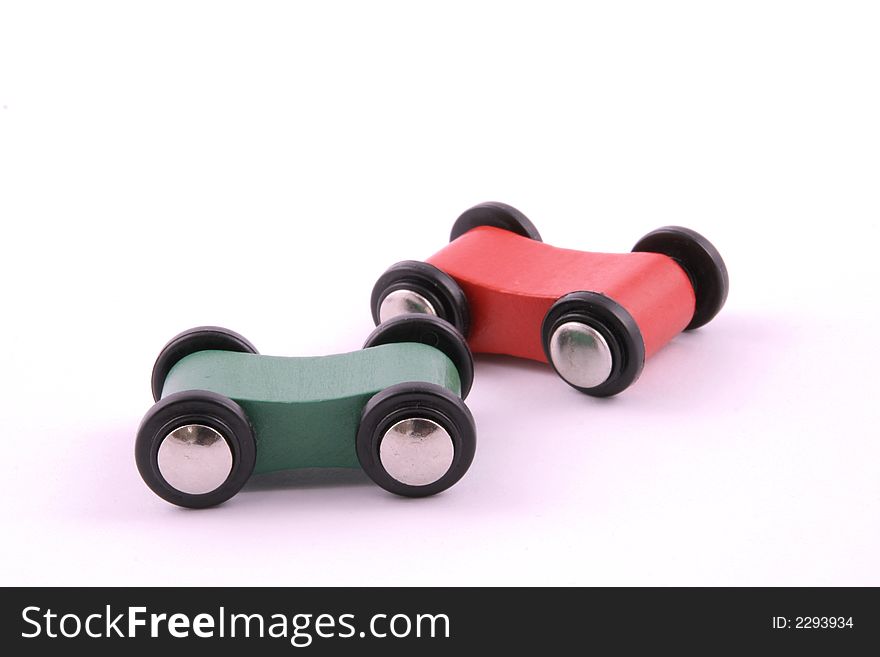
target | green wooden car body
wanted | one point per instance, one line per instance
(305, 411)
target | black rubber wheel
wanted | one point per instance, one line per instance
(614, 323)
(196, 407)
(438, 287)
(434, 332)
(499, 215)
(415, 400)
(200, 338)
(702, 263)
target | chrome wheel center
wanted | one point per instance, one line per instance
(402, 302)
(581, 355)
(416, 451)
(195, 459)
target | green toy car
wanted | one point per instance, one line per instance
(224, 412)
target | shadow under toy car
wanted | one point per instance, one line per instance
(224, 412)
(595, 317)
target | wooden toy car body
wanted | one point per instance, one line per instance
(595, 317)
(224, 412)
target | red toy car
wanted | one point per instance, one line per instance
(595, 317)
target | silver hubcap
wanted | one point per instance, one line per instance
(416, 452)
(402, 302)
(581, 355)
(195, 459)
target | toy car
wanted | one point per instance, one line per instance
(224, 412)
(595, 317)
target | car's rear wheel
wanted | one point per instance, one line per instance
(593, 343)
(434, 332)
(702, 263)
(200, 338)
(195, 448)
(416, 287)
(497, 215)
(416, 439)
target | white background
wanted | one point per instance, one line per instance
(258, 165)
